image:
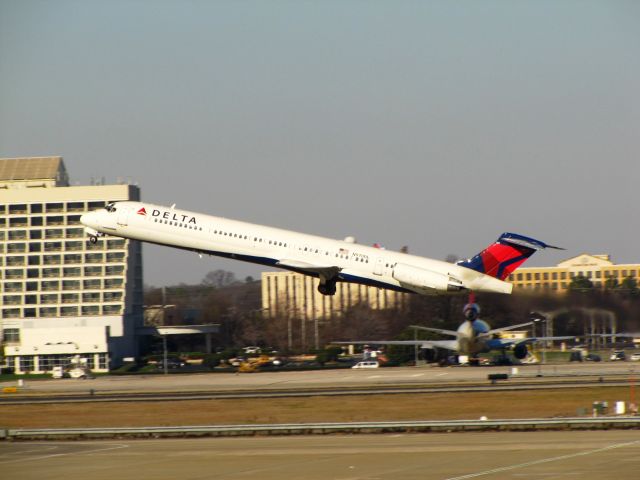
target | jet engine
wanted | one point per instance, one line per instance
(425, 281)
(520, 351)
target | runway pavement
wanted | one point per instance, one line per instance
(586, 455)
(322, 378)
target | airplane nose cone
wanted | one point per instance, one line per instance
(88, 219)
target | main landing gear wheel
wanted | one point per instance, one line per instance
(93, 239)
(328, 287)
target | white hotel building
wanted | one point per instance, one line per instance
(61, 296)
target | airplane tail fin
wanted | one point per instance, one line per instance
(501, 258)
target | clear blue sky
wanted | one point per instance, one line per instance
(433, 124)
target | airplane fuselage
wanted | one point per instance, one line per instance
(312, 255)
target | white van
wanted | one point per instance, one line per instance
(367, 364)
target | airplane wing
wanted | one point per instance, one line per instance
(509, 342)
(510, 327)
(446, 344)
(326, 271)
(437, 330)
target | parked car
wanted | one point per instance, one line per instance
(634, 357)
(618, 355)
(251, 350)
(172, 363)
(592, 357)
(367, 364)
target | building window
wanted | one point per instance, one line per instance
(54, 207)
(73, 258)
(92, 271)
(91, 310)
(93, 258)
(15, 261)
(113, 283)
(112, 296)
(116, 243)
(12, 299)
(53, 233)
(18, 222)
(68, 311)
(71, 272)
(17, 234)
(102, 361)
(114, 270)
(49, 312)
(111, 309)
(49, 286)
(50, 272)
(70, 298)
(11, 335)
(91, 297)
(72, 246)
(91, 284)
(26, 363)
(49, 298)
(18, 208)
(16, 248)
(115, 257)
(75, 232)
(75, 207)
(55, 220)
(71, 284)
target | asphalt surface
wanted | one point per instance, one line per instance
(590, 455)
(422, 375)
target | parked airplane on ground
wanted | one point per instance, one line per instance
(330, 260)
(473, 336)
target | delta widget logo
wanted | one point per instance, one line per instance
(142, 212)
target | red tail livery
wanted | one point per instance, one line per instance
(508, 252)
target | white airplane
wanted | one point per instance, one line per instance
(473, 336)
(330, 260)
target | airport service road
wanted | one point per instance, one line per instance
(323, 378)
(452, 456)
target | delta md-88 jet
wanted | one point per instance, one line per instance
(329, 260)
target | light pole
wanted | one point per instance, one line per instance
(164, 354)
(538, 317)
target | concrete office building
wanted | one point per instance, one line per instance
(63, 297)
(294, 295)
(597, 268)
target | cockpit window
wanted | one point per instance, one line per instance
(111, 207)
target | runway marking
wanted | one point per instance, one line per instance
(375, 376)
(27, 451)
(545, 460)
(441, 374)
(417, 375)
(30, 459)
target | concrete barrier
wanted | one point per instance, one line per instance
(601, 423)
